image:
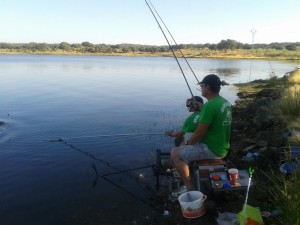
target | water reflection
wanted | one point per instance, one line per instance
(226, 72)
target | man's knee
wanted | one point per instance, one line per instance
(174, 153)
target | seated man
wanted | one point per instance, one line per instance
(212, 137)
(191, 123)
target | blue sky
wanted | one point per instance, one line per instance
(130, 21)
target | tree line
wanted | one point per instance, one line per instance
(87, 47)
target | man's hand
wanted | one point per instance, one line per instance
(199, 133)
(169, 133)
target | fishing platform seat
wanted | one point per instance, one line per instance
(200, 169)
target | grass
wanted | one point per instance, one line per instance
(290, 102)
(278, 191)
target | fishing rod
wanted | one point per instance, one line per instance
(170, 48)
(105, 135)
(175, 42)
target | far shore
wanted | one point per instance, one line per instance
(229, 54)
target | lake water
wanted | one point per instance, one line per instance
(69, 118)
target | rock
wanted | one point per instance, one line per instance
(249, 148)
(272, 93)
(241, 94)
(259, 81)
(273, 149)
(248, 141)
(265, 117)
(262, 149)
(262, 144)
(262, 135)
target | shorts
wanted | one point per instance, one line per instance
(195, 152)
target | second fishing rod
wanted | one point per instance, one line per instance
(171, 48)
(183, 56)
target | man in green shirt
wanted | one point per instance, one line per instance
(191, 122)
(212, 137)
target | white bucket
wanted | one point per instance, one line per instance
(192, 204)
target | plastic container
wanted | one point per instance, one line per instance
(192, 204)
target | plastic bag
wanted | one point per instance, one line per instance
(252, 216)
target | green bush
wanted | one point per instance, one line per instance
(290, 103)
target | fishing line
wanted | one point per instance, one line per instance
(128, 192)
(170, 48)
(83, 152)
(174, 41)
(129, 170)
(119, 186)
(273, 72)
(102, 161)
(105, 176)
(106, 135)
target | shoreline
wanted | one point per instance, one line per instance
(216, 56)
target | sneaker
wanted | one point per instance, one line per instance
(180, 191)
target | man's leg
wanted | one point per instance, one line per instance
(182, 168)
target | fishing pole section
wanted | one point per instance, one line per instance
(183, 56)
(171, 48)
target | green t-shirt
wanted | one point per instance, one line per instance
(191, 123)
(218, 115)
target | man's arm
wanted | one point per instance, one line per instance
(174, 133)
(198, 134)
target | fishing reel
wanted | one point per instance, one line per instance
(192, 105)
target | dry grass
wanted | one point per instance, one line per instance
(290, 102)
(295, 77)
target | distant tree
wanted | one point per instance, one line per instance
(76, 45)
(276, 46)
(134, 48)
(141, 49)
(43, 47)
(107, 49)
(181, 46)
(102, 48)
(213, 47)
(125, 49)
(151, 49)
(5, 45)
(228, 44)
(64, 46)
(32, 46)
(163, 49)
(87, 44)
(247, 46)
(291, 47)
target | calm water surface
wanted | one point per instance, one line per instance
(69, 118)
